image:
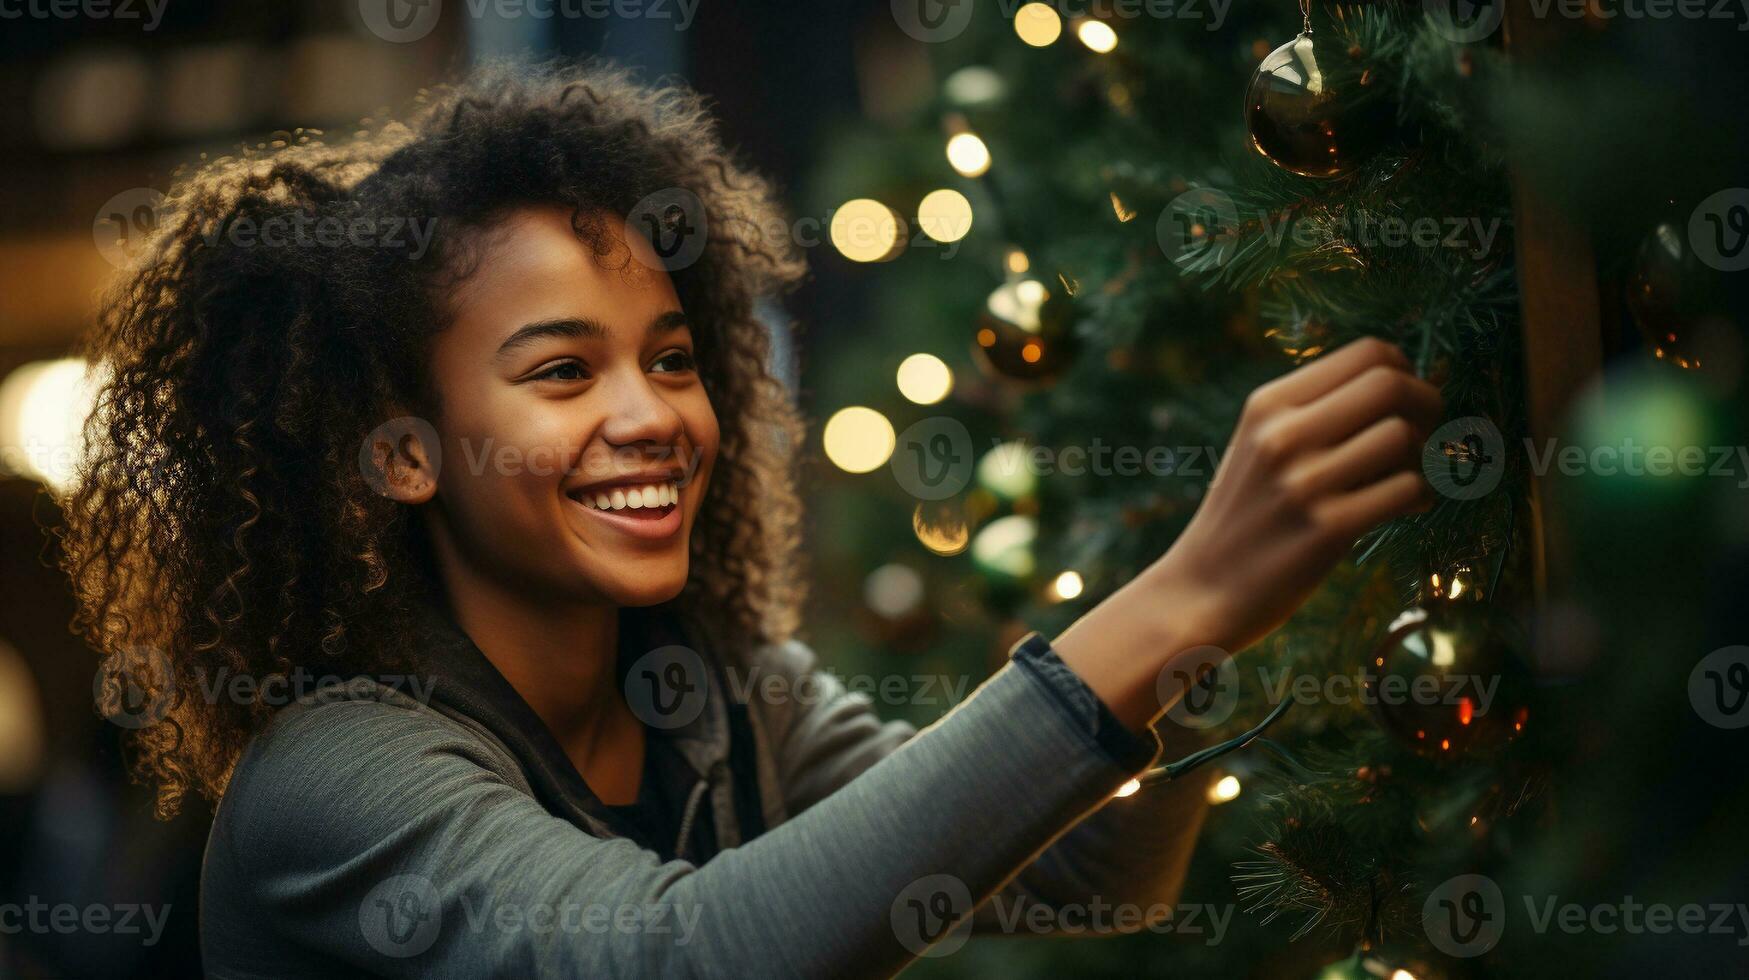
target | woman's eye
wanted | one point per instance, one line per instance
(564, 371)
(674, 360)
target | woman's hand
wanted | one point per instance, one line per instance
(1320, 456)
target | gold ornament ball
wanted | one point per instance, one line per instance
(1674, 300)
(1449, 680)
(1312, 108)
(1026, 332)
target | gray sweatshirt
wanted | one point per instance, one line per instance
(377, 829)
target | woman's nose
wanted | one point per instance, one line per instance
(637, 413)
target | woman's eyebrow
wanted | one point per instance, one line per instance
(572, 326)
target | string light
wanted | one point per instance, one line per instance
(858, 439)
(925, 378)
(1068, 585)
(1097, 35)
(968, 155)
(1128, 789)
(1038, 24)
(865, 230)
(945, 215)
(941, 528)
(1224, 790)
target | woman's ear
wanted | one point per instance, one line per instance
(401, 460)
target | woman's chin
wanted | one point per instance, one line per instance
(652, 590)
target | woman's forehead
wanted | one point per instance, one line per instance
(532, 265)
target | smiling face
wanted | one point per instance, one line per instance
(577, 436)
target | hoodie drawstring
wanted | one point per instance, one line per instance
(691, 811)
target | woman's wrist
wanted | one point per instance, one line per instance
(1153, 627)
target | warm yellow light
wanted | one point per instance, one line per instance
(1226, 788)
(1403, 975)
(925, 378)
(1129, 788)
(968, 155)
(1068, 585)
(1124, 215)
(865, 230)
(1038, 24)
(945, 215)
(858, 439)
(1017, 261)
(941, 529)
(1097, 35)
(43, 407)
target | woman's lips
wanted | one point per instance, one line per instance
(648, 523)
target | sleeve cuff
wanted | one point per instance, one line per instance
(1129, 751)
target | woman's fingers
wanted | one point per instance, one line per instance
(1377, 393)
(1386, 446)
(1351, 514)
(1324, 375)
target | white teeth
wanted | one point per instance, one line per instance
(633, 498)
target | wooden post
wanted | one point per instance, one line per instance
(1561, 307)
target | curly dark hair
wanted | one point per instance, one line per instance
(221, 524)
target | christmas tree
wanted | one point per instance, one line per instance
(1135, 221)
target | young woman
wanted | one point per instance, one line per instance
(525, 484)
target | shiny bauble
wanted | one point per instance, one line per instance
(1676, 302)
(1026, 332)
(1449, 680)
(1314, 109)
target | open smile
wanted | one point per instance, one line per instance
(648, 511)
